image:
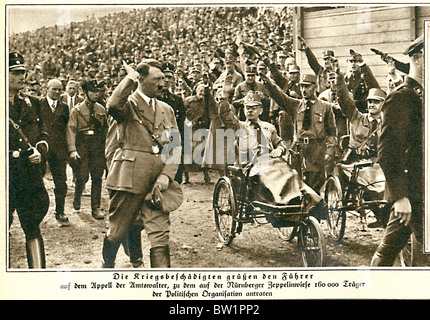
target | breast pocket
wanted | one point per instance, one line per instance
(122, 170)
(318, 121)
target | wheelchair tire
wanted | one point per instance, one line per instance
(311, 243)
(336, 217)
(225, 211)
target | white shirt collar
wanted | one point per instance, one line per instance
(50, 101)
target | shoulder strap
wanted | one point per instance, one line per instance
(143, 123)
(17, 128)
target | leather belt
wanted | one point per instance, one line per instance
(89, 132)
(154, 149)
(307, 140)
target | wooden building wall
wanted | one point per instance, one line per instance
(387, 28)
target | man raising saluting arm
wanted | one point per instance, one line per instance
(145, 126)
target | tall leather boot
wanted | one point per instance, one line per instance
(96, 191)
(79, 188)
(35, 253)
(109, 253)
(160, 257)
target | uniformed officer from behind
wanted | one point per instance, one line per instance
(401, 156)
(27, 150)
(86, 138)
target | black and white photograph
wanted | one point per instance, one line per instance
(216, 150)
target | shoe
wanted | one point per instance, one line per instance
(77, 204)
(97, 214)
(375, 224)
(61, 218)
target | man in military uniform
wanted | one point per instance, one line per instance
(363, 142)
(359, 79)
(27, 150)
(86, 138)
(321, 71)
(139, 166)
(256, 132)
(177, 103)
(314, 128)
(401, 156)
(250, 83)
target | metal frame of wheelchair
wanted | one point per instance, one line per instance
(342, 198)
(233, 206)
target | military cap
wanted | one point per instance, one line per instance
(251, 69)
(376, 94)
(415, 46)
(308, 79)
(194, 69)
(292, 68)
(253, 98)
(328, 54)
(168, 200)
(168, 68)
(91, 85)
(261, 64)
(16, 61)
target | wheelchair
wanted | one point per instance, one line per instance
(344, 191)
(239, 198)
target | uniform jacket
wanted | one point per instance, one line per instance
(196, 110)
(134, 166)
(177, 103)
(400, 149)
(359, 123)
(359, 83)
(320, 71)
(240, 92)
(79, 121)
(322, 129)
(248, 140)
(56, 127)
(24, 110)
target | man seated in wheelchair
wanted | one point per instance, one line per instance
(360, 146)
(259, 148)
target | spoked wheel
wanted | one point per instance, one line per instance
(311, 243)
(336, 218)
(408, 253)
(225, 211)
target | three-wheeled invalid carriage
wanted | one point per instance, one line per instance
(269, 188)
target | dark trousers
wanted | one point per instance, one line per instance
(397, 235)
(58, 168)
(92, 163)
(31, 205)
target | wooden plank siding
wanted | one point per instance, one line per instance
(387, 28)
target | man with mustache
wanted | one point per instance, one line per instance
(145, 126)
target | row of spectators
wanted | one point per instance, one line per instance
(186, 37)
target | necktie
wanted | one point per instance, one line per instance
(373, 135)
(307, 118)
(53, 106)
(258, 131)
